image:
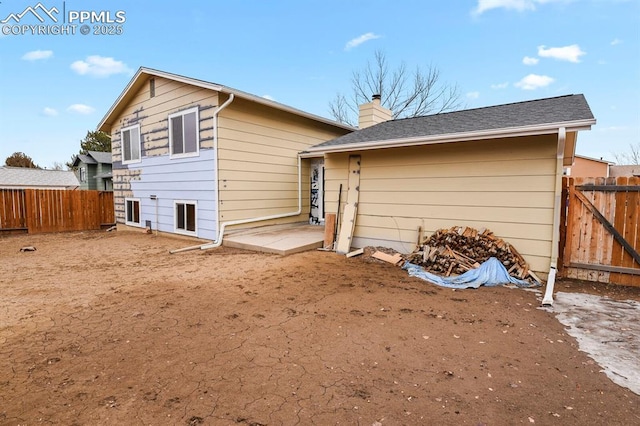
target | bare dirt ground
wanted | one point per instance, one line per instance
(108, 328)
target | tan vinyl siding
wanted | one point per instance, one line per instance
(258, 169)
(152, 115)
(506, 185)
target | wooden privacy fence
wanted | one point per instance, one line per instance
(45, 210)
(599, 234)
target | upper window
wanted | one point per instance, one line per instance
(183, 133)
(131, 144)
(83, 174)
(132, 211)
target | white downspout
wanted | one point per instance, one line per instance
(555, 239)
(218, 242)
(215, 173)
(224, 225)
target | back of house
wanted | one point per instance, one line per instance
(189, 155)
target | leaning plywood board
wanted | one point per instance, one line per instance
(351, 208)
(394, 260)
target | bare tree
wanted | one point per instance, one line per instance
(632, 157)
(405, 93)
(57, 166)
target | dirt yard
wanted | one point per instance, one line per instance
(108, 328)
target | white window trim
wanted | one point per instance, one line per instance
(127, 222)
(182, 113)
(175, 218)
(124, 129)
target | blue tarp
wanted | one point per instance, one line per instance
(490, 273)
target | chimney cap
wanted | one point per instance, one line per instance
(376, 96)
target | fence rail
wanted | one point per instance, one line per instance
(600, 232)
(44, 210)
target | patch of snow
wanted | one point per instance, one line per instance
(607, 330)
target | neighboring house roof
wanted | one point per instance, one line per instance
(105, 175)
(20, 177)
(93, 157)
(142, 75)
(541, 116)
(624, 170)
(101, 157)
(594, 159)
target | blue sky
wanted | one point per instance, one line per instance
(54, 88)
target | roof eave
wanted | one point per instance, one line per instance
(108, 117)
(572, 126)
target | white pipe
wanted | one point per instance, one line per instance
(215, 172)
(547, 300)
(218, 242)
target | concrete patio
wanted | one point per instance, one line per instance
(278, 239)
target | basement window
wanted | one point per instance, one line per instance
(183, 133)
(185, 217)
(130, 137)
(132, 211)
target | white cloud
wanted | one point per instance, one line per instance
(81, 109)
(615, 41)
(519, 5)
(570, 53)
(100, 66)
(500, 85)
(269, 97)
(36, 55)
(534, 81)
(473, 95)
(49, 112)
(527, 60)
(359, 40)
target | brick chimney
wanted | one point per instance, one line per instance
(373, 113)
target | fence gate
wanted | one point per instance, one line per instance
(599, 235)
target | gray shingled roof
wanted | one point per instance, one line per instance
(101, 157)
(560, 109)
(93, 157)
(83, 158)
(20, 177)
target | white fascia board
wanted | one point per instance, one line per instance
(286, 108)
(545, 129)
(217, 88)
(155, 73)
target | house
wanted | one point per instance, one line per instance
(497, 167)
(93, 170)
(624, 170)
(25, 178)
(191, 157)
(588, 167)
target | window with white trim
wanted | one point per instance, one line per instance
(185, 217)
(132, 211)
(83, 174)
(130, 137)
(184, 140)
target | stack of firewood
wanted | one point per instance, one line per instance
(459, 249)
